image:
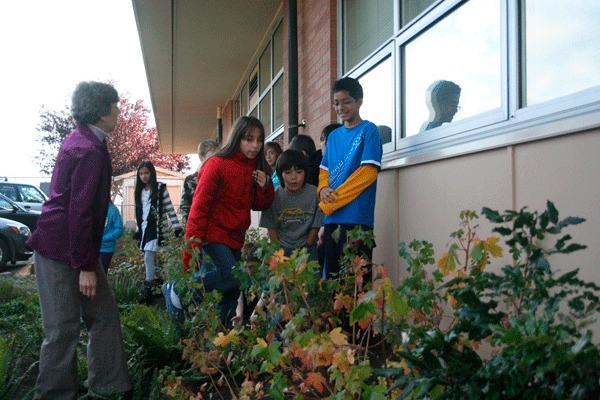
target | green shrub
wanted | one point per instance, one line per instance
(152, 342)
(344, 339)
(15, 368)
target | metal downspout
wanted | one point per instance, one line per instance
(292, 48)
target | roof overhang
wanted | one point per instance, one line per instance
(195, 55)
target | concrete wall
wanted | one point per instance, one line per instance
(424, 201)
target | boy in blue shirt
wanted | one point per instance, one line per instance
(348, 176)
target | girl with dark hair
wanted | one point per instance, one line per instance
(152, 207)
(230, 184)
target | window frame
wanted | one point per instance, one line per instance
(253, 105)
(508, 125)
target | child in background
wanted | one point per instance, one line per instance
(272, 153)
(325, 134)
(230, 184)
(113, 230)
(323, 143)
(306, 145)
(294, 217)
(152, 209)
(348, 177)
(206, 150)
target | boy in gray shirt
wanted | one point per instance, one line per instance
(294, 217)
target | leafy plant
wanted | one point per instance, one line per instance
(12, 373)
(152, 342)
(538, 351)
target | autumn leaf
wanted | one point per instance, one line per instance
(223, 340)
(337, 337)
(316, 380)
(492, 247)
(342, 301)
(447, 263)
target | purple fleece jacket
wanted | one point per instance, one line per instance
(72, 222)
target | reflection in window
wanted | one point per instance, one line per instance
(367, 24)
(244, 103)
(265, 69)
(265, 113)
(562, 55)
(411, 8)
(5, 205)
(278, 49)
(378, 101)
(463, 48)
(278, 104)
(31, 195)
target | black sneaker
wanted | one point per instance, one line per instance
(147, 294)
(158, 281)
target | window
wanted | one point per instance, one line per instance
(278, 49)
(264, 88)
(468, 75)
(378, 103)
(278, 103)
(366, 25)
(453, 70)
(265, 112)
(31, 194)
(5, 205)
(412, 8)
(561, 51)
(10, 192)
(265, 69)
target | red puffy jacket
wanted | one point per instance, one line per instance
(226, 193)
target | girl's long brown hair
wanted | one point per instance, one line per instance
(241, 129)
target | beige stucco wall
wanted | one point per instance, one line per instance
(424, 201)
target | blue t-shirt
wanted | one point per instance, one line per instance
(348, 149)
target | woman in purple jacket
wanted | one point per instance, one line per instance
(71, 284)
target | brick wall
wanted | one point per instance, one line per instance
(317, 65)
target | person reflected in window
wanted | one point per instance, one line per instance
(442, 100)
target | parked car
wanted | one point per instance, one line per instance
(13, 235)
(11, 210)
(25, 195)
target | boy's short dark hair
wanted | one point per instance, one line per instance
(291, 159)
(327, 131)
(350, 85)
(303, 143)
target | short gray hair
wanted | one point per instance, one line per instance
(91, 101)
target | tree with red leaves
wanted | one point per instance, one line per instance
(132, 142)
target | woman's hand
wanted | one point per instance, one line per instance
(87, 283)
(260, 178)
(327, 195)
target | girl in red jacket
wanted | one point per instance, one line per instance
(230, 184)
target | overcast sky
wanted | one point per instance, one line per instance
(46, 48)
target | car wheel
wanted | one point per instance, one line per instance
(4, 254)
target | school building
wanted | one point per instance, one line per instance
(524, 128)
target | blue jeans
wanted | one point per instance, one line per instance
(217, 275)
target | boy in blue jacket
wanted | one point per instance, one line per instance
(113, 230)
